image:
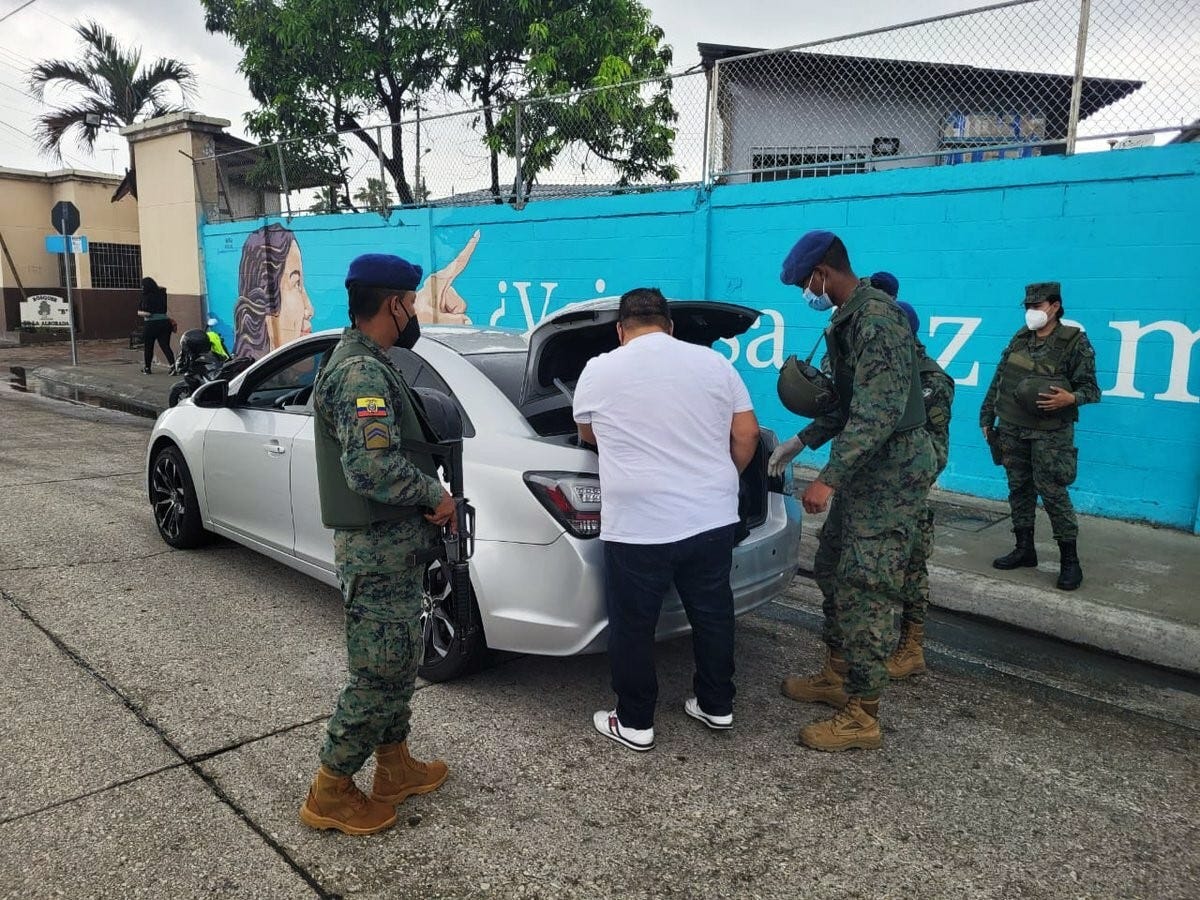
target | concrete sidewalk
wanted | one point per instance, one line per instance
(1139, 594)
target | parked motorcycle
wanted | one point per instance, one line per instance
(199, 361)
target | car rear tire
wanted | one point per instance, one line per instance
(445, 654)
(173, 500)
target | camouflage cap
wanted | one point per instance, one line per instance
(1042, 291)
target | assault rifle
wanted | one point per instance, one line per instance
(459, 545)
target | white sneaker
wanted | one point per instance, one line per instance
(606, 722)
(717, 723)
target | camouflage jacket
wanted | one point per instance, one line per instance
(938, 390)
(373, 463)
(879, 347)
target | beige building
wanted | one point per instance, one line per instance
(108, 276)
(154, 234)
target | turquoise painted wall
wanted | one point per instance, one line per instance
(1116, 228)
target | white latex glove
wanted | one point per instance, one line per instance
(782, 456)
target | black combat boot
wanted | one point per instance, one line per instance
(1070, 575)
(1024, 554)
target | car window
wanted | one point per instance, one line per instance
(418, 373)
(505, 370)
(288, 383)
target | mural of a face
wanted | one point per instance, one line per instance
(294, 318)
(272, 306)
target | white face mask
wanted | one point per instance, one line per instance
(817, 302)
(1036, 319)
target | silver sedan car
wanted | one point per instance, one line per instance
(237, 460)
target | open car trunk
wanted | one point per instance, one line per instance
(561, 346)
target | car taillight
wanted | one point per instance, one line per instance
(573, 498)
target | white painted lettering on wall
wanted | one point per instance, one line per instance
(763, 350)
(968, 325)
(1183, 340)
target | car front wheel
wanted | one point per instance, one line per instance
(446, 653)
(173, 500)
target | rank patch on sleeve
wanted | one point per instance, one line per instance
(376, 436)
(371, 407)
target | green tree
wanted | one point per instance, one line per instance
(318, 66)
(375, 195)
(108, 85)
(504, 52)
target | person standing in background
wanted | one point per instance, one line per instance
(156, 326)
(1047, 371)
(937, 389)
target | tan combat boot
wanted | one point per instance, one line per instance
(827, 686)
(855, 726)
(398, 776)
(909, 656)
(334, 801)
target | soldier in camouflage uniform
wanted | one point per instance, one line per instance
(937, 389)
(385, 503)
(879, 472)
(1047, 371)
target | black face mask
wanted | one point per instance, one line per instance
(408, 334)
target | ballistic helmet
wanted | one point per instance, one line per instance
(805, 390)
(441, 412)
(1030, 388)
(193, 343)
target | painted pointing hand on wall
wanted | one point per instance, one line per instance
(437, 299)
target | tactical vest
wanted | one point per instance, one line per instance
(1024, 377)
(342, 507)
(843, 374)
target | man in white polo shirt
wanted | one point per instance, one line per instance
(674, 425)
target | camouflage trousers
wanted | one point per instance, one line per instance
(383, 649)
(864, 553)
(915, 596)
(1040, 463)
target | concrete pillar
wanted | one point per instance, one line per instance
(169, 207)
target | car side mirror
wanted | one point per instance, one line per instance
(212, 394)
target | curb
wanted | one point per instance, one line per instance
(75, 386)
(1058, 614)
(1054, 614)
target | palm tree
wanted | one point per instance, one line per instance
(109, 86)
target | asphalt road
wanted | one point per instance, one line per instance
(162, 713)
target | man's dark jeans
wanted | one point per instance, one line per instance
(636, 578)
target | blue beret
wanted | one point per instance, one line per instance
(888, 283)
(804, 257)
(914, 321)
(383, 270)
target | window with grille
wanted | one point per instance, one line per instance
(62, 270)
(115, 265)
(780, 163)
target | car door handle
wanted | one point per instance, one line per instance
(273, 448)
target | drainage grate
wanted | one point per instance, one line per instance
(965, 518)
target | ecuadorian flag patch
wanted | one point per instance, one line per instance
(376, 436)
(371, 407)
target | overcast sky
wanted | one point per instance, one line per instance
(175, 28)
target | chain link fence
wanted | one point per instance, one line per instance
(1017, 79)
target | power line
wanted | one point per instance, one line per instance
(9, 15)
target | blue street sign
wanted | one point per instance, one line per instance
(55, 243)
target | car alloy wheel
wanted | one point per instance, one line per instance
(173, 500)
(445, 653)
(438, 629)
(169, 496)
